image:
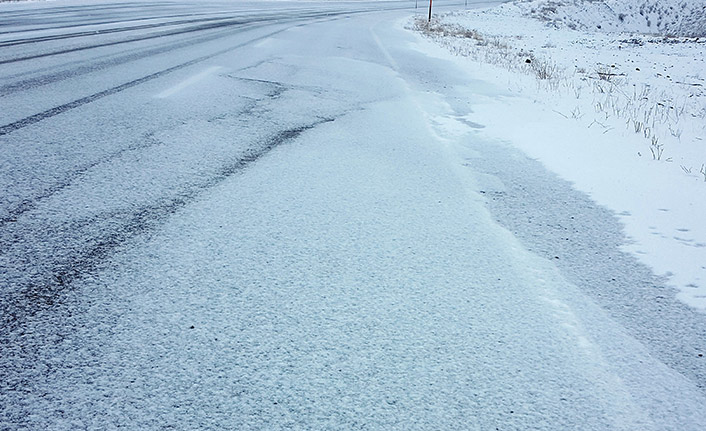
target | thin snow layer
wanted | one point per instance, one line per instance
(663, 17)
(353, 279)
(623, 118)
(291, 235)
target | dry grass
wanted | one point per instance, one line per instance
(657, 117)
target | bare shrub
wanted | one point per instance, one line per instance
(606, 73)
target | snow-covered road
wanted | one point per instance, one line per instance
(272, 216)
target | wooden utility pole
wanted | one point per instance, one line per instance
(429, 11)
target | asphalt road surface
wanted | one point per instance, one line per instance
(266, 215)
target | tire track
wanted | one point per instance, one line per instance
(203, 27)
(9, 128)
(29, 204)
(87, 23)
(130, 40)
(39, 39)
(41, 80)
(32, 119)
(49, 280)
(54, 11)
(148, 140)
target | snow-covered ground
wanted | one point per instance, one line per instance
(662, 17)
(622, 115)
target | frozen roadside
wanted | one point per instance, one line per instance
(621, 116)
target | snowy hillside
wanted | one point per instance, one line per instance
(663, 17)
